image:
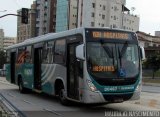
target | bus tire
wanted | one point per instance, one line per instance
(62, 97)
(21, 87)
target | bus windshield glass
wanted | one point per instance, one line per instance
(109, 59)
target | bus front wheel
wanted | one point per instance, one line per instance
(62, 97)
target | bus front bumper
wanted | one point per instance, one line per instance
(97, 97)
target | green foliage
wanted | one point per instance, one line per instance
(2, 58)
(153, 62)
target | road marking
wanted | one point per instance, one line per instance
(52, 111)
(27, 102)
(11, 95)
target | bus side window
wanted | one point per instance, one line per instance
(28, 56)
(20, 55)
(48, 53)
(45, 52)
(59, 52)
(8, 56)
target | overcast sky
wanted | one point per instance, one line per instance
(9, 23)
(148, 10)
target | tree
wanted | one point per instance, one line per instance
(153, 62)
(2, 58)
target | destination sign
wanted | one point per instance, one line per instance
(103, 69)
(110, 35)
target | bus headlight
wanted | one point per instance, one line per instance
(138, 88)
(91, 86)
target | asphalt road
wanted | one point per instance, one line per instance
(41, 105)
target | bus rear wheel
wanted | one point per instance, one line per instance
(21, 87)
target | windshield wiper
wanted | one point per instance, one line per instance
(108, 51)
(106, 48)
(120, 57)
(122, 52)
(124, 48)
(113, 56)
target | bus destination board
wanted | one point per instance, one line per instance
(110, 35)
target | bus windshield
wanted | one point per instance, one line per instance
(112, 60)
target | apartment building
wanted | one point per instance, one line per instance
(61, 15)
(25, 31)
(8, 41)
(130, 22)
(106, 13)
(46, 16)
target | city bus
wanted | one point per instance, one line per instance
(86, 65)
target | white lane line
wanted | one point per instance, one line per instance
(11, 95)
(52, 111)
(27, 102)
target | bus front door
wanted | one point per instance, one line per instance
(72, 72)
(37, 68)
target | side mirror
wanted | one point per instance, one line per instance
(80, 52)
(142, 52)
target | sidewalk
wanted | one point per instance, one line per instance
(151, 84)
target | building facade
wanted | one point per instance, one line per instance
(46, 16)
(150, 43)
(1, 38)
(25, 31)
(106, 13)
(66, 15)
(8, 41)
(62, 15)
(73, 14)
(147, 40)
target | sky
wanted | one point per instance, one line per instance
(9, 23)
(148, 10)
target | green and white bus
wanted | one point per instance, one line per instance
(87, 65)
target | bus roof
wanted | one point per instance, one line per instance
(51, 36)
(46, 37)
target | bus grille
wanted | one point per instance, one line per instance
(113, 98)
(116, 82)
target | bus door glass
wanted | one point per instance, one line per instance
(73, 71)
(37, 67)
